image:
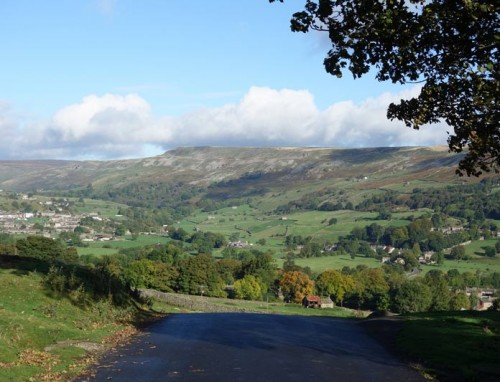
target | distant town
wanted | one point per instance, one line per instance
(52, 218)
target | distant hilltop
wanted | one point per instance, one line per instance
(205, 165)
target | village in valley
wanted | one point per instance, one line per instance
(49, 217)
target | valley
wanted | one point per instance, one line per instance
(378, 229)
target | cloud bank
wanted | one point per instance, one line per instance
(123, 126)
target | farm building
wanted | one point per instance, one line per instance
(326, 302)
(311, 302)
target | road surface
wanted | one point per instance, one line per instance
(223, 347)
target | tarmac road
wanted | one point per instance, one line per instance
(223, 347)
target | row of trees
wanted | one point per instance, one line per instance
(253, 275)
(169, 268)
(388, 288)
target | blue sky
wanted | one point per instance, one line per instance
(108, 79)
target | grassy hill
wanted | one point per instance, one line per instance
(210, 178)
(207, 165)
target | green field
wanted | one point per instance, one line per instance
(476, 248)
(96, 251)
(319, 264)
(489, 265)
(105, 208)
(252, 224)
(101, 248)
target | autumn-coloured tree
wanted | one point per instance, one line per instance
(296, 285)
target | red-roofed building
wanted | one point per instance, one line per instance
(311, 302)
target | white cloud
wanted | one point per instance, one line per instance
(117, 126)
(111, 117)
(289, 117)
(264, 116)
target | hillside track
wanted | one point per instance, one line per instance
(251, 347)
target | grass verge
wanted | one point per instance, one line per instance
(453, 346)
(48, 338)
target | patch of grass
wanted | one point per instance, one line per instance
(105, 208)
(319, 264)
(164, 308)
(40, 332)
(102, 248)
(476, 248)
(482, 264)
(142, 240)
(454, 345)
(96, 251)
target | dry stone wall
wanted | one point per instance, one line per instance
(196, 303)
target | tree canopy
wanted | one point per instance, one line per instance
(295, 286)
(335, 284)
(451, 47)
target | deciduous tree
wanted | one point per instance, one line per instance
(440, 292)
(451, 47)
(145, 273)
(412, 296)
(40, 247)
(262, 266)
(371, 286)
(247, 288)
(295, 286)
(334, 283)
(490, 251)
(198, 275)
(459, 301)
(458, 253)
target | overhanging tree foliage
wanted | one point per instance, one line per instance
(450, 46)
